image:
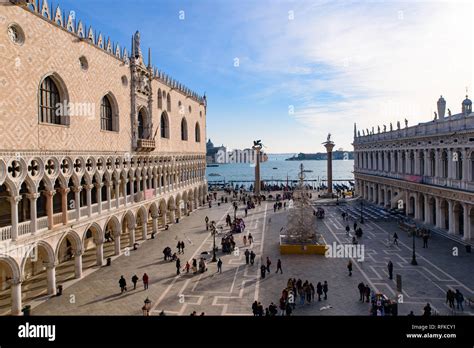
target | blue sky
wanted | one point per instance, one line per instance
(306, 68)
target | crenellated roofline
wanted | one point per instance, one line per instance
(76, 27)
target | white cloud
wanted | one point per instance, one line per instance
(383, 60)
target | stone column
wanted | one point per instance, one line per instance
(451, 217)
(51, 278)
(16, 296)
(465, 167)
(450, 164)
(417, 169)
(98, 188)
(108, 192)
(467, 222)
(132, 236)
(437, 173)
(125, 198)
(155, 223)
(329, 145)
(132, 189)
(78, 264)
(33, 197)
(77, 198)
(117, 193)
(49, 208)
(14, 216)
(144, 227)
(117, 243)
(428, 217)
(99, 245)
(64, 205)
(426, 162)
(89, 199)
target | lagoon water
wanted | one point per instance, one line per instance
(242, 172)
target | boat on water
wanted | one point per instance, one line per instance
(275, 168)
(214, 174)
(307, 171)
(212, 165)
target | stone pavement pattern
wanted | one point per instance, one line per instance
(233, 291)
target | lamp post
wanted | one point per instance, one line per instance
(213, 231)
(413, 257)
(146, 308)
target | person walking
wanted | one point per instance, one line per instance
(134, 281)
(245, 240)
(182, 247)
(459, 300)
(219, 266)
(178, 266)
(206, 219)
(390, 270)
(325, 289)
(425, 240)
(268, 264)
(450, 296)
(311, 287)
(367, 293)
(319, 290)
(395, 239)
(179, 247)
(250, 239)
(247, 256)
(263, 270)
(123, 284)
(361, 288)
(349, 268)
(187, 266)
(348, 229)
(145, 281)
(252, 257)
(279, 267)
(355, 226)
(427, 310)
(246, 212)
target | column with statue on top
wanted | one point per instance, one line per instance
(329, 145)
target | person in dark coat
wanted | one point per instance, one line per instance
(123, 284)
(319, 290)
(390, 269)
(361, 288)
(247, 256)
(252, 257)
(367, 293)
(263, 270)
(427, 310)
(325, 289)
(178, 266)
(279, 266)
(395, 238)
(145, 281)
(134, 281)
(349, 268)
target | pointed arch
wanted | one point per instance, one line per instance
(164, 126)
(184, 129)
(197, 133)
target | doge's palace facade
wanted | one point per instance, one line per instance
(96, 145)
(426, 169)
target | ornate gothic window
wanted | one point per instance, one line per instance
(184, 130)
(141, 124)
(50, 103)
(168, 103)
(106, 116)
(164, 126)
(160, 99)
(197, 133)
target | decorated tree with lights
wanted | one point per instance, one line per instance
(301, 223)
